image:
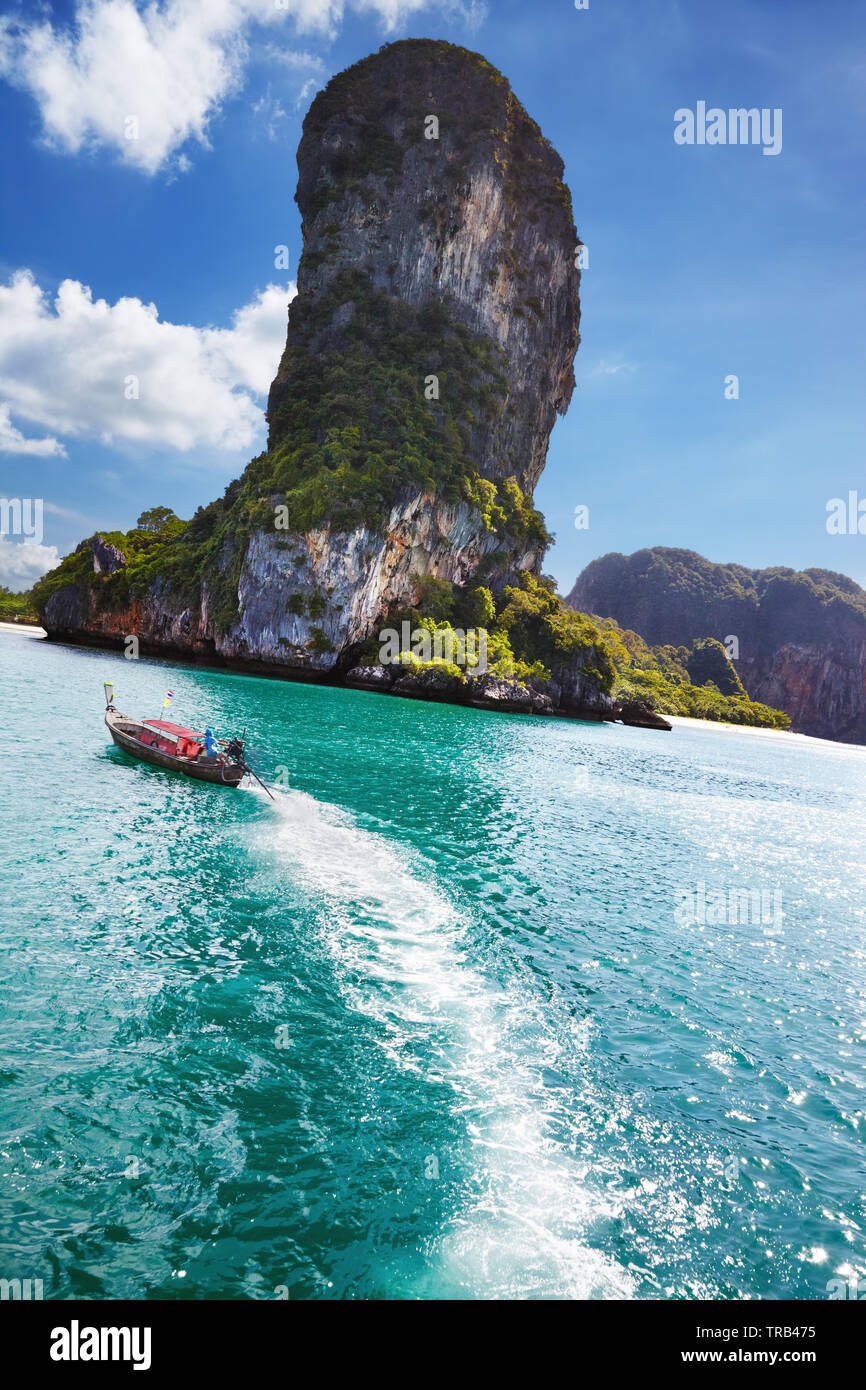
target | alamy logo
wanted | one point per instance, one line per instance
(20, 1289)
(715, 907)
(736, 126)
(846, 519)
(76, 1343)
(851, 1288)
(22, 516)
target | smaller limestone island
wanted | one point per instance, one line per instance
(430, 348)
(798, 636)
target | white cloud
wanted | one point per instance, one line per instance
(73, 368)
(23, 562)
(607, 367)
(271, 110)
(296, 60)
(12, 441)
(306, 92)
(142, 79)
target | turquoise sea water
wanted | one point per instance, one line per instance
(429, 1025)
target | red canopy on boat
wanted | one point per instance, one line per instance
(174, 729)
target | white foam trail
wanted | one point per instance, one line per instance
(521, 1224)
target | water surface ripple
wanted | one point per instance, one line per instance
(430, 1024)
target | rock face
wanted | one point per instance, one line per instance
(419, 169)
(638, 715)
(340, 583)
(306, 599)
(107, 559)
(801, 636)
(482, 692)
(429, 349)
(75, 613)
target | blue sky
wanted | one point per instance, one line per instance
(704, 261)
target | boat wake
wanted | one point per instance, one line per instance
(520, 1219)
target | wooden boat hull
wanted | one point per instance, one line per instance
(122, 731)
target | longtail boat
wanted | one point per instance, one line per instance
(171, 746)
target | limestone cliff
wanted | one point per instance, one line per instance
(800, 636)
(429, 349)
(421, 173)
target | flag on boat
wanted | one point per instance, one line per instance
(168, 699)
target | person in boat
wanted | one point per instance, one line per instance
(211, 747)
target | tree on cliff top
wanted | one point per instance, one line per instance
(160, 521)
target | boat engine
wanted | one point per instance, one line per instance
(235, 751)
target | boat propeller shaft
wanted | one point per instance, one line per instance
(235, 750)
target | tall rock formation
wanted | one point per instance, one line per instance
(801, 636)
(422, 179)
(429, 349)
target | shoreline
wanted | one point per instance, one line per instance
(685, 721)
(23, 627)
(332, 679)
(262, 670)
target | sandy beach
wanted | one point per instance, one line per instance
(786, 735)
(24, 627)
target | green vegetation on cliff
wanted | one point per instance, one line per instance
(19, 608)
(698, 681)
(353, 425)
(152, 550)
(708, 664)
(542, 628)
(530, 631)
